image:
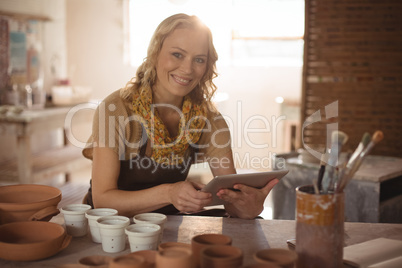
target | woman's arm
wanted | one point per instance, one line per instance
(105, 173)
(247, 202)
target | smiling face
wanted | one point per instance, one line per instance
(181, 64)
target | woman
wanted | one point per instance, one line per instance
(146, 135)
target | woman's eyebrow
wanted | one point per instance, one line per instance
(183, 50)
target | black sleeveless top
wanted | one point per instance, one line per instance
(142, 172)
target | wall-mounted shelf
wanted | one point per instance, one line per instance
(21, 16)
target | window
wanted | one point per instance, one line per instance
(246, 32)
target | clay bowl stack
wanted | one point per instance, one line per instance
(28, 202)
(25, 233)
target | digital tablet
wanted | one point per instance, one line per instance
(257, 180)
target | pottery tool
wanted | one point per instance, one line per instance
(321, 171)
(354, 165)
(338, 139)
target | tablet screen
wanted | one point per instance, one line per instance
(257, 180)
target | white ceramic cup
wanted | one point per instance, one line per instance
(111, 229)
(144, 236)
(74, 218)
(155, 218)
(92, 215)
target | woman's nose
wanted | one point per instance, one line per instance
(186, 66)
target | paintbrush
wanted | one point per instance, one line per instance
(321, 171)
(338, 139)
(351, 160)
(353, 166)
(363, 143)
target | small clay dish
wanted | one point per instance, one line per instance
(16, 109)
(31, 240)
(128, 261)
(263, 265)
(96, 261)
(149, 255)
(285, 258)
(28, 202)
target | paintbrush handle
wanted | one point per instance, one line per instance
(355, 154)
(321, 172)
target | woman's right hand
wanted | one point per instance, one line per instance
(186, 197)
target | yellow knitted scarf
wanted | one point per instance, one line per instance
(166, 149)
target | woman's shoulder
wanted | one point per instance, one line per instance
(117, 102)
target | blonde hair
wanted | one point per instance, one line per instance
(146, 72)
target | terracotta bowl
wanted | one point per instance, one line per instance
(221, 256)
(201, 241)
(28, 202)
(31, 240)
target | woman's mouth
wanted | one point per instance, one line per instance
(181, 80)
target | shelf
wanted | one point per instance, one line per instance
(46, 164)
(21, 16)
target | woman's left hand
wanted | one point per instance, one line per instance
(246, 202)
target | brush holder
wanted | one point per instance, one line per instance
(319, 228)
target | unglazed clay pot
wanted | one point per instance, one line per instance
(174, 257)
(31, 240)
(28, 202)
(96, 261)
(221, 257)
(285, 258)
(128, 261)
(202, 241)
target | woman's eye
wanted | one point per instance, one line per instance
(177, 55)
(199, 60)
